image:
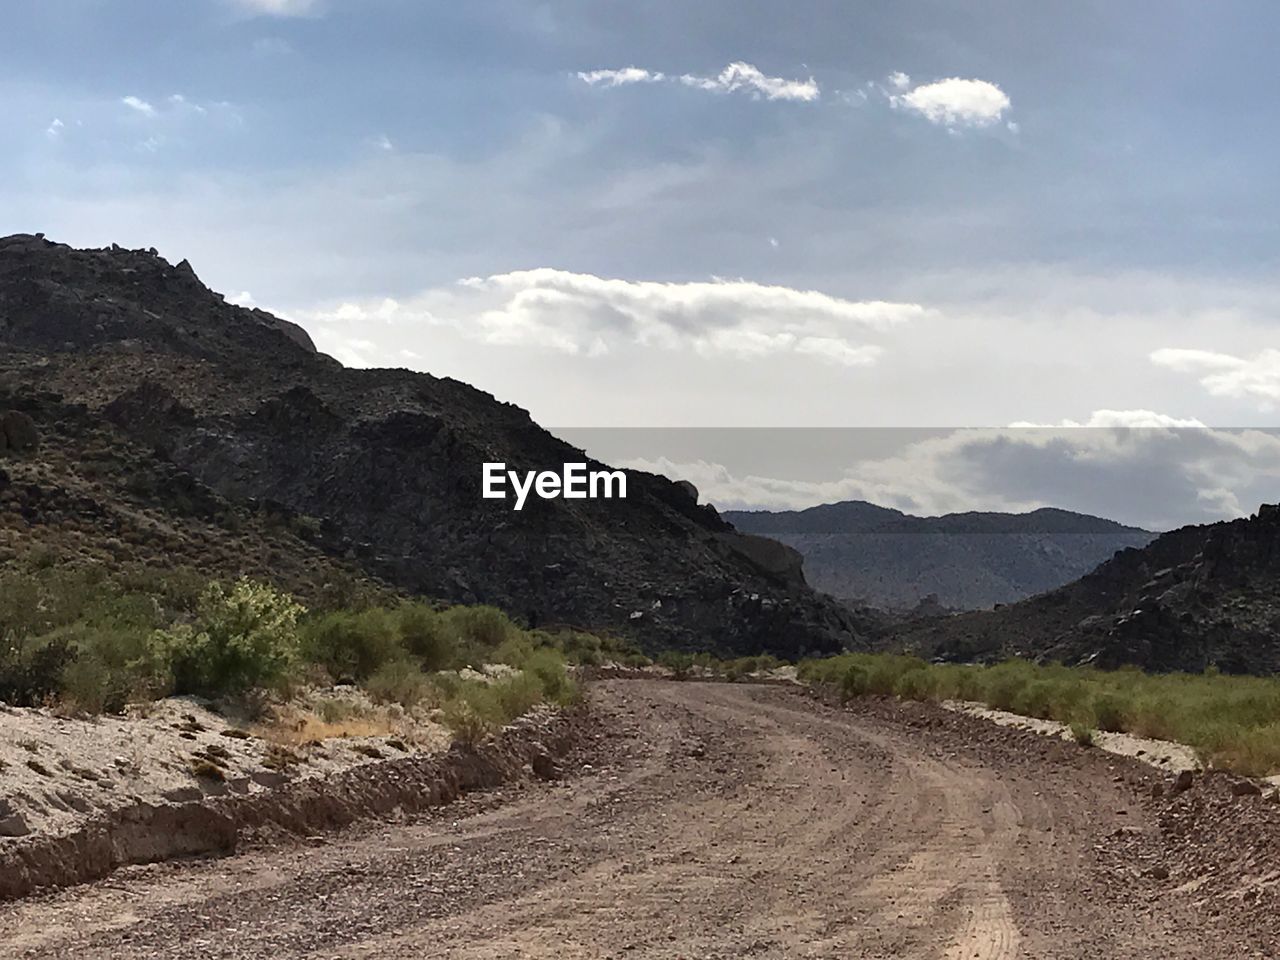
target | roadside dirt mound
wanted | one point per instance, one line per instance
(147, 831)
(60, 771)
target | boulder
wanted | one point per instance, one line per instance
(689, 489)
(12, 823)
(19, 430)
(772, 557)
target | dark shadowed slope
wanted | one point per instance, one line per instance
(1196, 597)
(115, 350)
(966, 560)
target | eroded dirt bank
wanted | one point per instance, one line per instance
(714, 820)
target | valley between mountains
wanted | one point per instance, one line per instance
(270, 660)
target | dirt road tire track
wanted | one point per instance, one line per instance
(712, 820)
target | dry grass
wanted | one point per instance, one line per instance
(299, 728)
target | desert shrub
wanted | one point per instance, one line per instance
(402, 682)
(678, 662)
(1232, 721)
(20, 614)
(424, 634)
(917, 684)
(352, 646)
(468, 725)
(854, 682)
(1002, 684)
(883, 673)
(31, 670)
(478, 629)
(515, 650)
(112, 666)
(516, 695)
(1108, 711)
(243, 637)
(579, 647)
(552, 675)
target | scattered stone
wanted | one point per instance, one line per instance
(545, 767)
(12, 823)
(1183, 781)
(1245, 788)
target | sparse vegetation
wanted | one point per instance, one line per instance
(1232, 721)
(87, 642)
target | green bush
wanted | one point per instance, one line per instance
(1232, 721)
(31, 671)
(352, 646)
(426, 635)
(402, 682)
(478, 630)
(113, 666)
(516, 695)
(243, 637)
(552, 675)
(854, 682)
(679, 663)
(1109, 712)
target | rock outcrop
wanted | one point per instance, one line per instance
(17, 431)
(379, 468)
(1194, 598)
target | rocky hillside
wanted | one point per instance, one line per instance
(1200, 596)
(963, 561)
(173, 426)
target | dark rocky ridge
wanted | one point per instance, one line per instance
(962, 561)
(383, 465)
(1197, 597)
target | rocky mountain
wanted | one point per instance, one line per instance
(173, 424)
(962, 561)
(1197, 597)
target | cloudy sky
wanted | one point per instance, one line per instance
(730, 213)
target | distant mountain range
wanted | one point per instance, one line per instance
(967, 561)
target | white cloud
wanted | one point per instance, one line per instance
(278, 8)
(178, 101)
(955, 102)
(1225, 375)
(585, 315)
(139, 105)
(55, 129)
(744, 76)
(383, 143)
(899, 80)
(618, 78)
(736, 76)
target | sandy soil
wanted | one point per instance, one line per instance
(718, 821)
(57, 772)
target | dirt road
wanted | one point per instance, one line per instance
(704, 820)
